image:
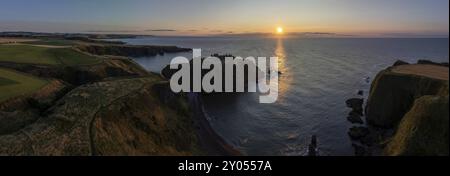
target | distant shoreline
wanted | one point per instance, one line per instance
(118, 36)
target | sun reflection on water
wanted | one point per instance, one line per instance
(284, 78)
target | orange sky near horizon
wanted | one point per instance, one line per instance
(213, 17)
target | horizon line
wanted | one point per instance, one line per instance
(250, 34)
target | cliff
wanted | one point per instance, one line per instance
(110, 107)
(412, 100)
(113, 107)
(120, 117)
(423, 130)
(167, 72)
(394, 90)
(115, 110)
(129, 50)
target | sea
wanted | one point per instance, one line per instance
(317, 76)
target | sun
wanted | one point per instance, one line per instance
(280, 30)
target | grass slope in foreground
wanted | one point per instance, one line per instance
(44, 55)
(13, 84)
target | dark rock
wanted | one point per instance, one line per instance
(356, 104)
(360, 150)
(361, 92)
(312, 148)
(167, 73)
(358, 132)
(369, 139)
(355, 117)
(400, 62)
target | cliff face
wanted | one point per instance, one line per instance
(248, 76)
(118, 108)
(413, 100)
(130, 50)
(393, 93)
(423, 130)
(121, 117)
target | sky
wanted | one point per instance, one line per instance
(390, 18)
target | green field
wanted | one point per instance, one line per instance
(5, 81)
(13, 84)
(53, 42)
(44, 55)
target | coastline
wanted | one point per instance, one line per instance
(209, 138)
(406, 112)
(109, 73)
(114, 68)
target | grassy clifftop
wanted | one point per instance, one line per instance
(80, 104)
(44, 55)
(122, 117)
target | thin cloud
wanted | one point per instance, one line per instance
(112, 31)
(160, 30)
(415, 35)
(319, 34)
(216, 31)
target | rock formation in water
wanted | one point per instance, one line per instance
(312, 147)
(167, 72)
